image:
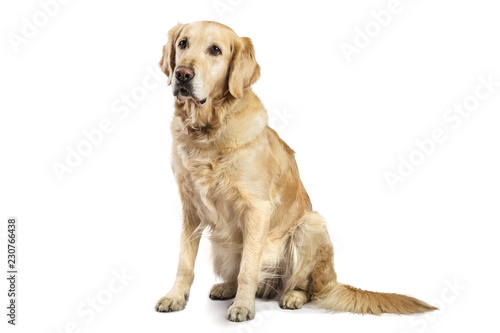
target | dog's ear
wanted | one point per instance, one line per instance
(244, 69)
(167, 61)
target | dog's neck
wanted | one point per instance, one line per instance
(223, 123)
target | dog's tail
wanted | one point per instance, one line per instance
(344, 298)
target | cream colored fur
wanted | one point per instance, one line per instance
(238, 179)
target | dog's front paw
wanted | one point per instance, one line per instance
(240, 313)
(171, 303)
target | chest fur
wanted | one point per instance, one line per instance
(207, 178)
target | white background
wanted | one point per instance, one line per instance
(119, 208)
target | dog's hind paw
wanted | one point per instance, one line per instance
(293, 299)
(224, 290)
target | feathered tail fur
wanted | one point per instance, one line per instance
(345, 298)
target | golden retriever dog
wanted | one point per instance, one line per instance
(239, 180)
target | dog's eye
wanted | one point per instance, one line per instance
(214, 50)
(183, 44)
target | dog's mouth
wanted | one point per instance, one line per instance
(185, 92)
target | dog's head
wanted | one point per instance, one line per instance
(204, 60)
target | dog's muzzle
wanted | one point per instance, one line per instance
(183, 84)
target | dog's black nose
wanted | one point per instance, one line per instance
(184, 74)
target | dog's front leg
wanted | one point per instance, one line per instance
(178, 296)
(255, 226)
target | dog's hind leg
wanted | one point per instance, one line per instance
(226, 265)
(309, 253)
